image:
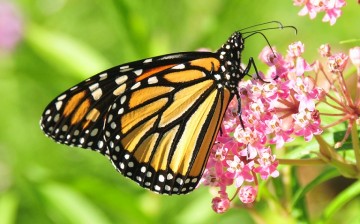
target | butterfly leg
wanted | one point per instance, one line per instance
(245, 72)
(248, 67)
(239, 109)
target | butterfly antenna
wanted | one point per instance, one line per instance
(267, 41)
(261, 24)
(268, 28)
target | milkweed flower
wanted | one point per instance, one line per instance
(221, 203)
(272, 112)
(279, 110)
(342, 99)
(332, 9)
(247, 194)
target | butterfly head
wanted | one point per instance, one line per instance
(233, 47)
(230, 57)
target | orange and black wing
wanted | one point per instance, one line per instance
(156, 118)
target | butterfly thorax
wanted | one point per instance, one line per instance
(230, 58)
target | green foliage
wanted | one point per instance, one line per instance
(67, 41)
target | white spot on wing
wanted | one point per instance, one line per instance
(161, 178)
(100, 144)
(56, 118)
(122, 99)
(61, 97)
(97, 94)
(103, 76)
(124, 67)
(152, 80)
(94, 132)
(113, 125)
(172, 56)
(76, 132)
(179, 181)
(180, 66)
(120, 90)
(58, 105)
(169, 176)
(64, 128)
(138, 72)
(217, 76)
(94, 86)
(120, 80)
(136, 85)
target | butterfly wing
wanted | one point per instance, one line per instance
(156, 118)
(160, 132)
(76, 117)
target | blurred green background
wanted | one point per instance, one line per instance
(64, 42)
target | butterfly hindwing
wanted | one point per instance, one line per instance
(160, 132)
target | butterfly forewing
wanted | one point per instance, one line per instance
(76, 117)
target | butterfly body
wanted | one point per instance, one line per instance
(156, 119)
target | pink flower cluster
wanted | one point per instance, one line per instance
(332, 9)
(343, 97)
(272, 112)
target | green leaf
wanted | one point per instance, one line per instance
(72, 205)
(324, 176)
(65, 52)
(8, 207)
(344, 197)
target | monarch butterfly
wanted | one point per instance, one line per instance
(157, 118)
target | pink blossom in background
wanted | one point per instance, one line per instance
(346, 101)
(337, 62)
(354, 54)
(11, 26)
(247, 194)
(221, 203)
(325, 50)
(332, 9)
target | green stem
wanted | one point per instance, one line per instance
(302, 162)
(330, 156)
(355, 143)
